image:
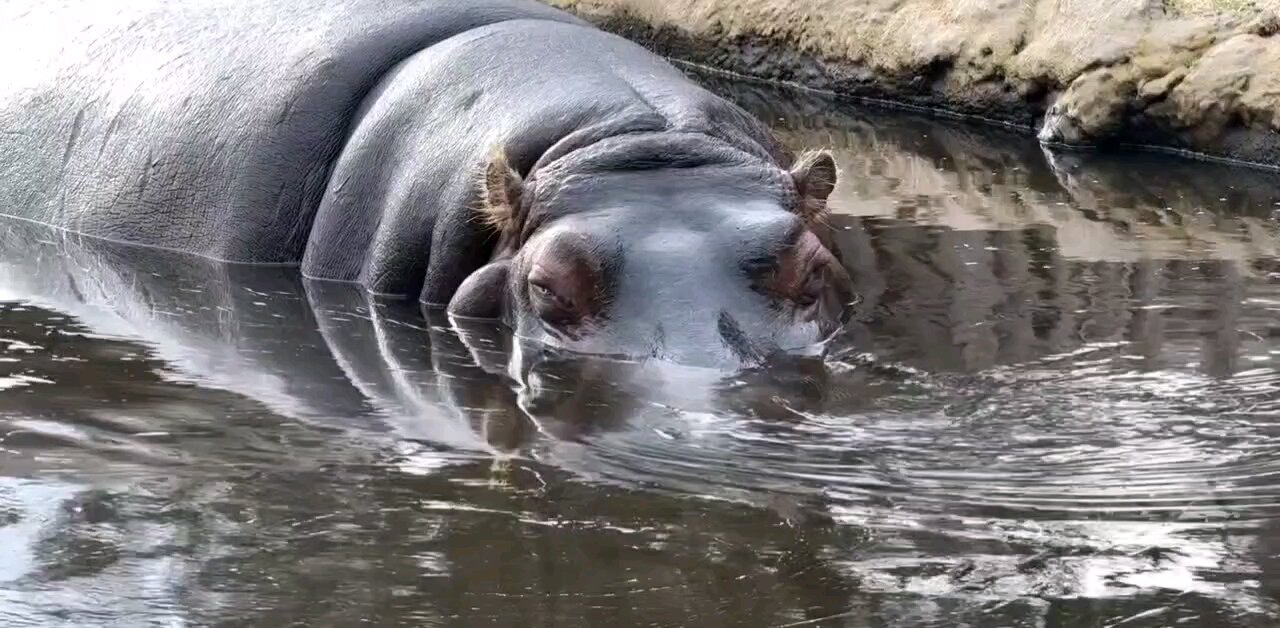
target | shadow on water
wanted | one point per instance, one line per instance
(1057, 407)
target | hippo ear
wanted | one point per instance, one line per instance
(501, 194)
(815, 177)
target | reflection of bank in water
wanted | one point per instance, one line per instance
(970, 300)
(1101, 206)
(973, 248)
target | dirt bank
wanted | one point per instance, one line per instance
(1188, 75)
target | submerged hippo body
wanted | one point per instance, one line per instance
(496, 156)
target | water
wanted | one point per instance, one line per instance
(1057, 407)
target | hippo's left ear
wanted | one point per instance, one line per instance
(501, 194)
(815, 176)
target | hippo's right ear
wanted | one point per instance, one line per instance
(501, 194)
(814, 175)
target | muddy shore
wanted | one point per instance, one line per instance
(1196, 77)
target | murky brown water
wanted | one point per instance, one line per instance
(1060, 407)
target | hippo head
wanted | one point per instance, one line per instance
(653, 248)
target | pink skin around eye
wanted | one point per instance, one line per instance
(562, 287)
(793, 278)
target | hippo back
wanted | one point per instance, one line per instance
(398, 217)
(205, 126)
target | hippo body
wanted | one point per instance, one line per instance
(418, 148)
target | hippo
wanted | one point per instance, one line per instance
(499, 159)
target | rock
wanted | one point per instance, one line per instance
(1236, 83)
(1159, 88)
(1091, 109)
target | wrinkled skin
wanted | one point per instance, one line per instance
(497, 157)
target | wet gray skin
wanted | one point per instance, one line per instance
(500, 158)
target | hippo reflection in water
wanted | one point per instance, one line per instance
(498, 157)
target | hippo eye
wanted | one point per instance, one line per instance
(811, 289)
(550, 306)
(542, 291)
(546, 294)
